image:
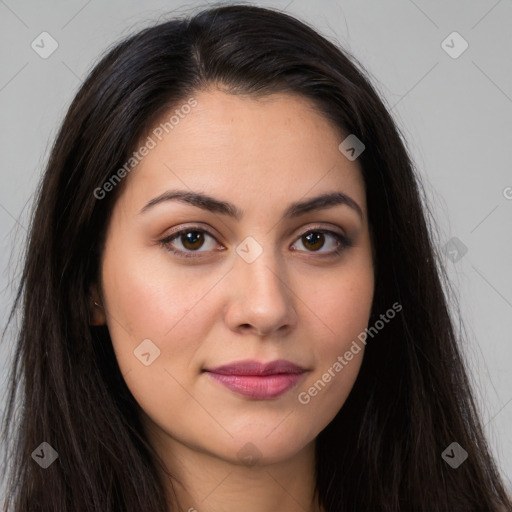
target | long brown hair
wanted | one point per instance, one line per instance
(411, 399)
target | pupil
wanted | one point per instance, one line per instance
(192, 238)
(313, 238)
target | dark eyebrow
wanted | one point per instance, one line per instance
(294, 210)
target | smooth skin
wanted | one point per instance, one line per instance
(297, 300)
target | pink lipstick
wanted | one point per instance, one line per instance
(261, 381)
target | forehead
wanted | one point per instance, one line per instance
(230, 143)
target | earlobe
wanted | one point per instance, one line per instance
(96, 309)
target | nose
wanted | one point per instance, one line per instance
(261, 300)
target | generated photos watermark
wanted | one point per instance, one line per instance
(156, 136)
(304, 397)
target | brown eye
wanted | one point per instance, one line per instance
(187, 242)
(314, 240)
(192, 240)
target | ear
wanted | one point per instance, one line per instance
(96, 309)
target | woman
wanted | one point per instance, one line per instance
(231, 297)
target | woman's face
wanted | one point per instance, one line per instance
(255, 277)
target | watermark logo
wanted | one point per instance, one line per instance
(454, 455)
(455, 249)
(249, 249)
(45, 455)
(147, 352)
(44, 45)
(249, 454)
(454, 45)
(351, 147)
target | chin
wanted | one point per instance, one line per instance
(260, 448)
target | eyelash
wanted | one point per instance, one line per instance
(343, 242)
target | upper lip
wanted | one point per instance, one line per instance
(253, 367)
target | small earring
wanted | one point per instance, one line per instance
(96, 322)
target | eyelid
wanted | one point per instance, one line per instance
(186, 228)
(322, 227)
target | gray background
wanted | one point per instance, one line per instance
(456, 115)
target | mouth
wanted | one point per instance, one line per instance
(260, 381)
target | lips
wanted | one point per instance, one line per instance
(257, 380)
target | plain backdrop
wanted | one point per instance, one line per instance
(452, 102)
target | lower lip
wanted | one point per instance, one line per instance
(261, 387)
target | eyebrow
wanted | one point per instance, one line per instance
(296, 209)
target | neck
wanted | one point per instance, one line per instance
(196, 481)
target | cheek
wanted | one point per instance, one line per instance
(344, 305)
(148, 299)
(150, 295)
(341, 308)
(340, 303)
(158, 316)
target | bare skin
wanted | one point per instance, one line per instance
(297, 300)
